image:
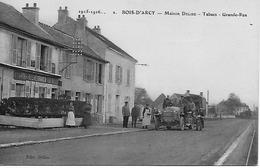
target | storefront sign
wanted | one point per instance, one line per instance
(32, 77)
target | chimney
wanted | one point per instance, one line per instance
(63, 15)
(201, 94)
(97, 29)
(82, 23)
(31, 13)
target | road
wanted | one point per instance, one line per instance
(164, 147)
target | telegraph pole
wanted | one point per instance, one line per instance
(207, 104)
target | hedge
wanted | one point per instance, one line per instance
(51, 108)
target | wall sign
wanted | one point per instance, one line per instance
(32, 77)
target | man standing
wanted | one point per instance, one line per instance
(135, 113)
(126, 114)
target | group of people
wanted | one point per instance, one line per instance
(135, 113)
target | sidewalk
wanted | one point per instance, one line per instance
(20, 136)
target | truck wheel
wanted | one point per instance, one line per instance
(198, 125)
(182, 123)
(156, 125)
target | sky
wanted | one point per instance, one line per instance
(196, 53)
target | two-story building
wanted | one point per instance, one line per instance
(119, 75)
(28, 55)
(42, 62)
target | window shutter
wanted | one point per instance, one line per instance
(24, 53)
(28, 56)
(38, 55)
(92, 71)
(14, 49)
(97, 70)
(49, 59)
(121, 75)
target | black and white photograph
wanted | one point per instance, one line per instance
(129, 82)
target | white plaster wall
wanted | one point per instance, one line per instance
(5, 45)
(114, 89)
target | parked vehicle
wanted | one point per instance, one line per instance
(189, 115)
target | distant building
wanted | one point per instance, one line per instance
(158, 102)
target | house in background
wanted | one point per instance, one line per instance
(158, 102)
(119, 74)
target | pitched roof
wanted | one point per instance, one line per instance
(9, 16)
(110, 43)
(67, 40)
(70, 28)
(159, 100)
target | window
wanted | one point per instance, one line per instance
(20, 51)
(43, 60)
(77, 96)
(119, 71)
(68, 94)
(54, 93)
(110, 75)
(128, 78)
(88, 97)
(43, 57)
(20, 90)
(98, 73)
(42, 92)
(53, 68)
(88, 70)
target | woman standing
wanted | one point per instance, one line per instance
(146, 116)
(71, 117)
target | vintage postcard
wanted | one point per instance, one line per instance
(129, 82)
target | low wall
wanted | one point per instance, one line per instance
(35, 122)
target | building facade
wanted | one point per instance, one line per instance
(119, 78)
(42, 62)
(29, 56)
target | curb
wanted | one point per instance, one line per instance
(232, 147)
(15, 144)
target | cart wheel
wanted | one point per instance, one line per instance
(182, 123)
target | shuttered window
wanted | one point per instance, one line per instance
(49, 61)
(38, 55)
(128, 77)
(14, 49)
(119, 74)
(28, 54)
(110, 76)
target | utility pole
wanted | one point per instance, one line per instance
(207, 106)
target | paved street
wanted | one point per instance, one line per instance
(164, 147)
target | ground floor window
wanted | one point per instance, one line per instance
(68, 94)
(19, 90)
(54, 94)
(42, 92)
(77, 96)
